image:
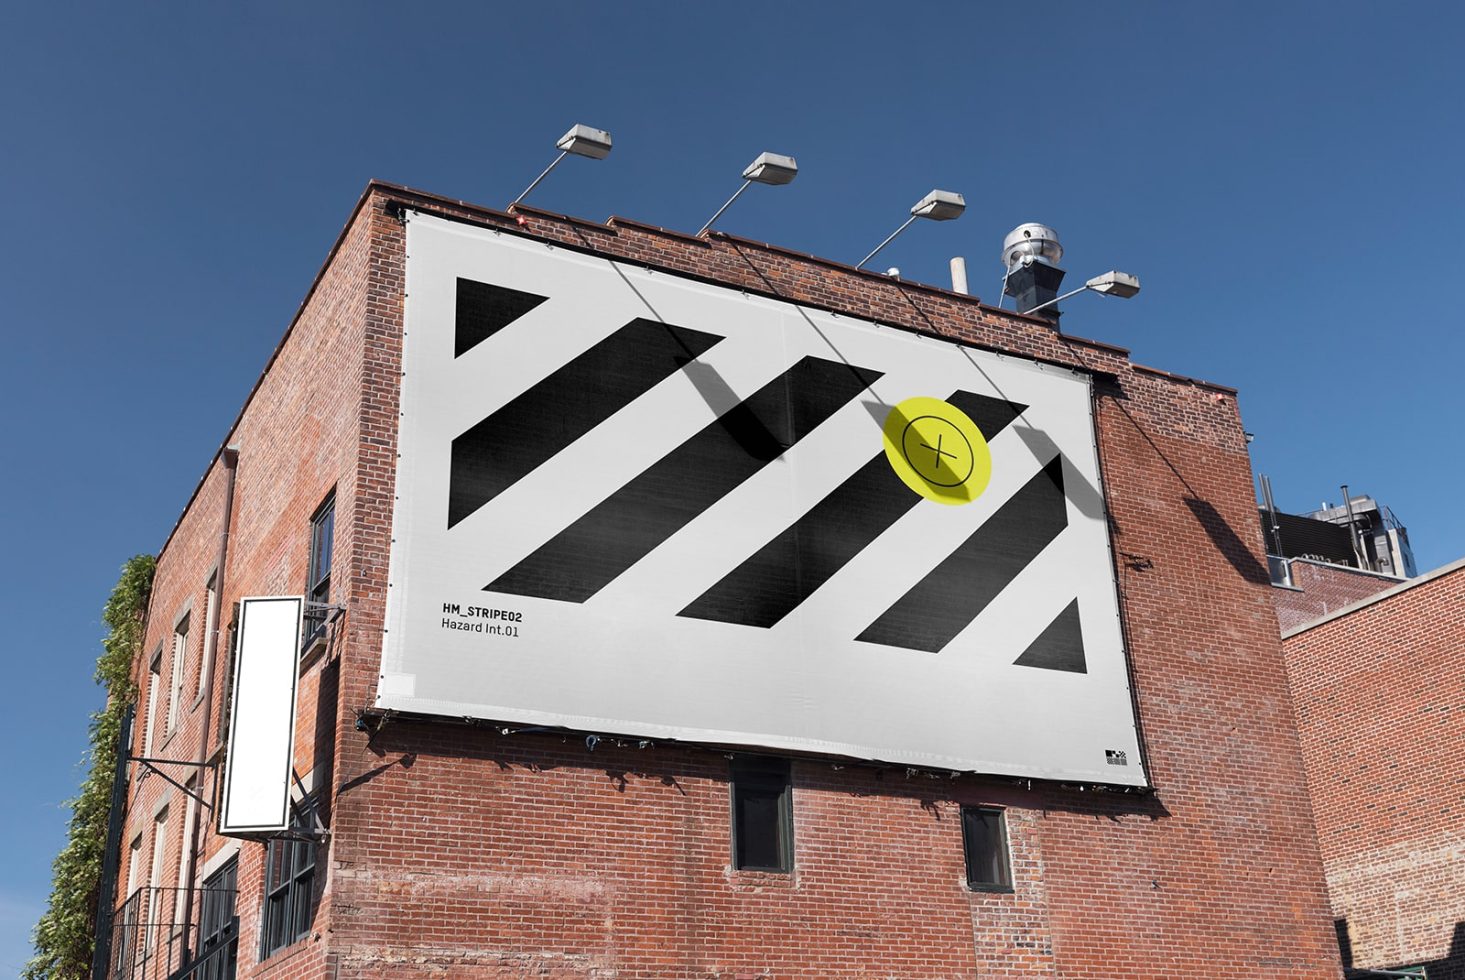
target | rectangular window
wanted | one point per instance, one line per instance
(134, 865)
(984, 832)
(155, 686)
(124, 936)
(318, 583)
(180, 902)
(762, 815)
(289, 884)
(218, 925)
(210, 625)
(155, 874)
(180, 668)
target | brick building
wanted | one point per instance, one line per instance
(1314, 589)
(1379, 692)
(460, 847)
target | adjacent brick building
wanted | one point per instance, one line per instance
(487, 851)
(1316, 588)
(1380, 690)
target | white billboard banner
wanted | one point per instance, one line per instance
(629, 502)
(258, 768)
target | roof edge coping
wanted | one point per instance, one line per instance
(1353, 607)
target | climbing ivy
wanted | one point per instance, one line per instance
(64, 937)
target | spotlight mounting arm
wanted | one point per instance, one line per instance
(773, 169)
(582, 141)
(938, 205)
(1121, 285)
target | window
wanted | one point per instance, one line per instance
(983, 830)
(762, 815)
(180, 901)
(218, 926)
(318, 584)
(134, 864)
(210, 626)
(289, 883)
(155, 683)
(124, 936)
(180, 664)
(155, 871)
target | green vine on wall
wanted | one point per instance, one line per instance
(64, 936)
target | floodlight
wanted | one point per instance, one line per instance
(773, 169)
(583, 141)
(1121, 285)
(937, 206)
(1118, 284)
(940, 206)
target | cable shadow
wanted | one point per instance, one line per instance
(773, 289)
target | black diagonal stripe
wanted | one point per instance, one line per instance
(625, 527)
(1059, 646)
(956, 591)
(484, 309)
(806, 554)
(510, 443)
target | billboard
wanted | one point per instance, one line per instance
(257, 769)
(630, 502)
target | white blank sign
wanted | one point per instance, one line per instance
(257, 771)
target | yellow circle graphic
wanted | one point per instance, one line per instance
(937, 451)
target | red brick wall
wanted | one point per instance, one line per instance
(1381, 708)
(1319, 589)
(297, 440)
(537, 855)
(461, 851)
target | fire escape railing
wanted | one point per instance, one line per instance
(152, 938)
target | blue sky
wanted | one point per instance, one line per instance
(1284, 178)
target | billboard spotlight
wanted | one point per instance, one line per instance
(769, 168)
(583, 141)
(1121, 285)
(937, 205)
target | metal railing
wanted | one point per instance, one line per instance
(154, 937)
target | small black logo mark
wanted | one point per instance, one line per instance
(1115, 757)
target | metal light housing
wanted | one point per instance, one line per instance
(939, 206)
(586, 141)
(772, 168)
(1118, 284)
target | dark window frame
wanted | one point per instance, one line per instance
(763, 776)
(995, 848)
(289, 883)
(318, 574)
(218, 925)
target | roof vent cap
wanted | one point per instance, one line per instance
(1028, 243)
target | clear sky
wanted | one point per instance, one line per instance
(1286, 179)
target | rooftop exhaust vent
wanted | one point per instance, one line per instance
(1030, 273)
(1028, 242)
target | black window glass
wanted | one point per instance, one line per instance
(218, 927)
(985, 835)
(322, 536)
(318, 590)
(289, 884)
(762, 815)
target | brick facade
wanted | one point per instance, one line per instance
(1319, 588)
(1380, 694)
(458, 850)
